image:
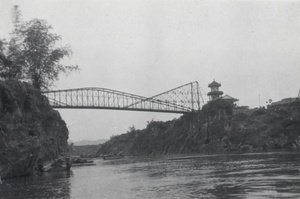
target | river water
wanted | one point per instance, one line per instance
(254, 175)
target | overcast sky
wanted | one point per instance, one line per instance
(145, 47)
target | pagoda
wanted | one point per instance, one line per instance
(214, 94)
(229, 99)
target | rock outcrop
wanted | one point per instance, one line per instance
(33, 137)
(215, 129)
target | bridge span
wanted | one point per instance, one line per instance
(182, 99)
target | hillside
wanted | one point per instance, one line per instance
(88, 142)
(33, 137)
(217, 128)
(85, 151)
(85, 148)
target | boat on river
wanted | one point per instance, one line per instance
(112, 157)
(78, 162)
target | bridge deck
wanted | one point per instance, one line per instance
(183, 99)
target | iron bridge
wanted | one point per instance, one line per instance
(183, 99)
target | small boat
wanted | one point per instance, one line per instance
(78, 162)
(112, 157)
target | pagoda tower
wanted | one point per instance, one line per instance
(214, 94)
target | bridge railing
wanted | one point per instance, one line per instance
(182, 99)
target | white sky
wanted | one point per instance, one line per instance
(145, 47)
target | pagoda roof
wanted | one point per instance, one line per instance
(214, 84)
(215, 93)
(229, 98)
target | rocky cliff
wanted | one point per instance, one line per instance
(33, 137)
(217, 128)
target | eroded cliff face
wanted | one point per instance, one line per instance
(191, 133)
(215, 129)
(32, 134)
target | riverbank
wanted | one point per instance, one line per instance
(217, 128)
(33, 136)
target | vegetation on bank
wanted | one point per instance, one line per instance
(217, 128)
(33, 137)
(84, 151)
(31, 53)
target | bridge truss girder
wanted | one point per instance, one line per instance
(183, 99)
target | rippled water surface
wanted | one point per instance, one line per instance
(260, 175)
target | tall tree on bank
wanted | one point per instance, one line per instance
(11, 51)
(33, 52)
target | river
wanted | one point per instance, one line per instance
(253, 175)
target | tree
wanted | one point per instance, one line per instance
(34, 55)
(269, 102)
(131, 129)
(14, 69)
(6, 69)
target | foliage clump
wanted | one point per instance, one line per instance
(32, 54)
(213, 108)
(31, 132)
(217, 128)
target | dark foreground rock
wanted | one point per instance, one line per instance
(33, 137)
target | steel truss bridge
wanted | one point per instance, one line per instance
(183, 99)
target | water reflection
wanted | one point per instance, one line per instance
(267, 175)
(42, 185)
(225, 176)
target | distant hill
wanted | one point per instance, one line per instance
(85, 151)
(87, 142)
